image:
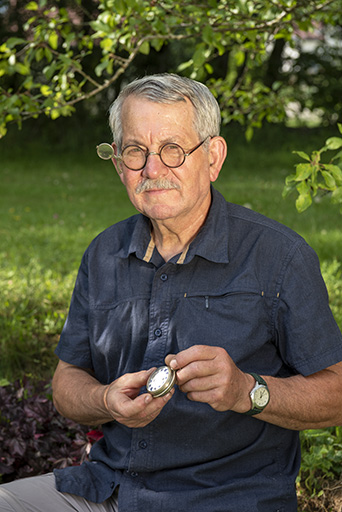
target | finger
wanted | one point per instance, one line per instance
(135, 380)
(169, 358)
(141, 408)
(199, 384)
(208, 397)
(194, 353)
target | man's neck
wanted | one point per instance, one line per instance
(171, 239)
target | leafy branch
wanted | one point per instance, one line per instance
(316, 176)
(45, 71)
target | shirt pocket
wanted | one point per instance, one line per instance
(237, 320)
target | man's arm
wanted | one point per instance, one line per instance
(208, 374)
(78, 395)
(300, 403)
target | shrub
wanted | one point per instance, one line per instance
(332, 273)
(34, 438)
(321, 458)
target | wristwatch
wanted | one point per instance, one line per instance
(161, 381)
(260, 395)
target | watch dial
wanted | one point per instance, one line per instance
(261, 397)
(161, 381)
(158, 379)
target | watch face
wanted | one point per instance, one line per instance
(161, 381)
(261, 397)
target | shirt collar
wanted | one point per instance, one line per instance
(210, 243)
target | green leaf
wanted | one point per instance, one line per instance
(185, 65)
(239, 58)
(48, 54)
(32, 6)
(39, 55)
(303, 202)
(249, 133)
(209, 68)
(53, 40)
(14, 41)
(303, 172)
(334, 143)
(54, 114)
(290, 178)
(336, 196)
(208, 34)
(200, 55)
(287, 190)
(329, 180)
(106, 44)
(145, 48)
(302, 155)
(22, 69)
(45, 90)
(157, 44)
(101, 67)
(335, 171)
(3, 130)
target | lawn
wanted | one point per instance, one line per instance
(56, 195)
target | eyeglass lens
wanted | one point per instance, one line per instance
(105, 151)
(135, 157)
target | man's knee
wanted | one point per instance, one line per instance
(27, 494)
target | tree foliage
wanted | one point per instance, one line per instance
(260, 59)
(69, 51)
(316, 176)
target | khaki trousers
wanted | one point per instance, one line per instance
(39, 494)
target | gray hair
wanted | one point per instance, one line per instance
(170, 88)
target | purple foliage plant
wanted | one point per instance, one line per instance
(34, 438)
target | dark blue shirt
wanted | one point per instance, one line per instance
(246, 283)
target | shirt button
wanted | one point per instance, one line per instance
(142, 444)
(112, 485)
(158, 332)
(134, 474)
(163, 277)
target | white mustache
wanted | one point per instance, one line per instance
(159, 184)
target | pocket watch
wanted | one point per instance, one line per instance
(161, 381)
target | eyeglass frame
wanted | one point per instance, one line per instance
(147, 153)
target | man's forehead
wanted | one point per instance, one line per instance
(139, 112)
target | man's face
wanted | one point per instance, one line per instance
(150, 125)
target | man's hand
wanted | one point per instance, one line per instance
(127, 406)
(208, 374)
(78, 395)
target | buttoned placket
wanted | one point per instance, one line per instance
(141, 457)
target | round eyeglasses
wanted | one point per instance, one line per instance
(135, 158)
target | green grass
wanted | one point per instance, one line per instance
(56, 195)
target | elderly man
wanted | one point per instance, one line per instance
(231, 302)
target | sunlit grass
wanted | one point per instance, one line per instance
(55, 200)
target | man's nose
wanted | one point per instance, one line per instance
(154, 166)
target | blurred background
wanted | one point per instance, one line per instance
(276, 70)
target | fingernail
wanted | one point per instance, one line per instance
(173, 364)
(148, 398)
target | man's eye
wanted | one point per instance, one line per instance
(172, 149)
(134, 151)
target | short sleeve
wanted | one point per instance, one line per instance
(306, 331)
(73, 346)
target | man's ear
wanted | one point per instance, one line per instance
(217, 155)
(116, 161)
